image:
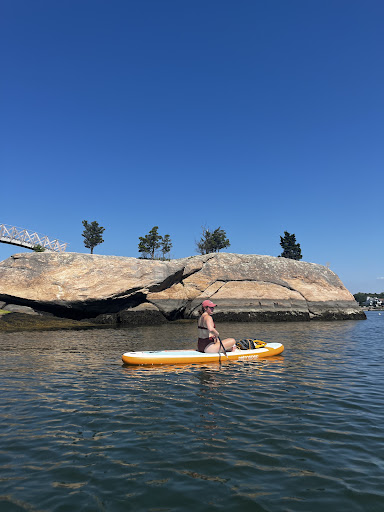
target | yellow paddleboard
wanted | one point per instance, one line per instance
(193, 356)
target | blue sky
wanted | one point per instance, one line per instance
(257, 116)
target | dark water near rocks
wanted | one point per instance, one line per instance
(298, 432)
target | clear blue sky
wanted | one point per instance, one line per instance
(256, 116)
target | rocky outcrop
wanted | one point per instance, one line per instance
(130, 290)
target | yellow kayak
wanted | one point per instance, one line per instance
(193, 356)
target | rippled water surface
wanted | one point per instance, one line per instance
(298, 432)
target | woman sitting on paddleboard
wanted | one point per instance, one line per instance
(208, 335)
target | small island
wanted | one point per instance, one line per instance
(109, 290)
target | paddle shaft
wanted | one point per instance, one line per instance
(222, 346)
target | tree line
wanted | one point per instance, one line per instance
(156, 246)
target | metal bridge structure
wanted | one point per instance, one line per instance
(28, 239)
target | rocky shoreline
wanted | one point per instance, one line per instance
(27, 322)
(109, 290)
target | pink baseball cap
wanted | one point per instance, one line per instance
(208, 304)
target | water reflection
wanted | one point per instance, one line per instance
(80, 430)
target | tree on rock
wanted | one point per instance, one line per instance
(166, 246)
(150, 243)
(92, 234)
(212, 241)
(291, 249)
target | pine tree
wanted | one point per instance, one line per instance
(166, 245)
(212, 241)
(292, 249)
(92, 234)
(149, 244)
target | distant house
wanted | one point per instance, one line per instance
(374, 302)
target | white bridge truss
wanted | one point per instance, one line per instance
(28, 239)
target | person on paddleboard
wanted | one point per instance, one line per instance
(209, 340)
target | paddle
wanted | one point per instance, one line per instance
(222, 346)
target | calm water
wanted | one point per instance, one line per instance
(298, 432)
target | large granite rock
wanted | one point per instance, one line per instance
(131, 290)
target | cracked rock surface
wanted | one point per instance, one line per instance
(119, 289)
